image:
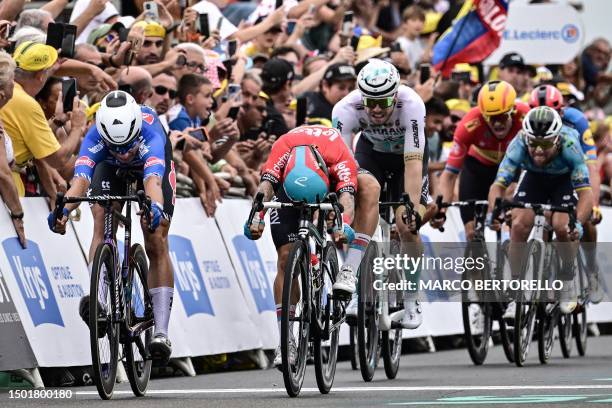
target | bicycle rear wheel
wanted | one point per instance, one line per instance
(367, 315)
(526, 306)
(103, 333)
(580, 316)
(139, 310)
(477, 314)
(326, 350)
(546, 333)
(565, 334)
(353, 347)
(295, 326)
(504, 333)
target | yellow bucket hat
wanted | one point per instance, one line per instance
(34, 57)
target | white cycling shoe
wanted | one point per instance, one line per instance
(596, 293)
(413, 314)
(568, 299)
(278, 357)
(510, 313)
(345, 282)
(352, 308)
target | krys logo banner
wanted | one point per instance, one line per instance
(253, 267)
(188, 277)
(31, 276)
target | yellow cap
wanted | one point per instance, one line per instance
(151, 28)
(34, 57)
(91, 110)
(464, 67)
(263, 95)
(458, 104)
(367, 41)
(431, 22)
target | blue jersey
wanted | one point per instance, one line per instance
(575, 119)
(148, 154)
(179, 119)
(570, 159)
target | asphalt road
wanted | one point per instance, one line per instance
(425, 379)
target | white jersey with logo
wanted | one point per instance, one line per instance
(403, 133)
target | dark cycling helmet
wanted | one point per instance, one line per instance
(306, 178)
(542, 122)
(546, 95)
(119, 120)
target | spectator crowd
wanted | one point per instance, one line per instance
(197, 63)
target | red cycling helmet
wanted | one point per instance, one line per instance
(546, 95)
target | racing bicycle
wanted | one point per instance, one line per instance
(310, 312)
(123, 312)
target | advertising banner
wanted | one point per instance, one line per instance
(255, 263)
(541, 33)
(46, 281)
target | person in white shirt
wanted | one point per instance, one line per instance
(100, 12)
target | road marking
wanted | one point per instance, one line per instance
(369, 389)
(602, 379)
(522, 399)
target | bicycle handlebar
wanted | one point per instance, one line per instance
(570, 210)
(141, 198)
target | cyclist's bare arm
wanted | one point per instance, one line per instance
(78, 188)
(153, 188)
(585, 204)
(413, 180)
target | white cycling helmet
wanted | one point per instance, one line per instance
(542, 122)
(119, 119)
(378, 79)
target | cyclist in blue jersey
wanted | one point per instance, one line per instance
(554, 168)
(551, 96)
(130, 136)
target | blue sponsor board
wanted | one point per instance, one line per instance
(256, 275)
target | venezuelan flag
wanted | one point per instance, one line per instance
(475, 34)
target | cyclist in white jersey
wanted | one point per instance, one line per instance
(391, 119)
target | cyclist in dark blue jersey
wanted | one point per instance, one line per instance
(130, 136)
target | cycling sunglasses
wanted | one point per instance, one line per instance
(161, 90)
(383, 103)
(502, 117)
(534, 143)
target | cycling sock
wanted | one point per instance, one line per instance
(161, 298)
(279, 316)
(590, 255)
(356, 250)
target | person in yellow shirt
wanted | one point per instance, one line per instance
(25, 122)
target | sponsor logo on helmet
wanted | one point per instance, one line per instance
(85, 161)
(301, 180)
(154, 161)
(147, 117)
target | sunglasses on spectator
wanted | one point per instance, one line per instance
(162, 90)
(502, 117)
(455, 118)
(383, 103)
(158, 43)
(534, 142)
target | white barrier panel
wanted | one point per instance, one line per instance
(212, 317)
(46, 282)
(255, 264)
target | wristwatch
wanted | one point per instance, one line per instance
(18, 216)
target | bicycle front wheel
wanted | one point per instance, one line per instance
(526, 305)
(295, 318)
(326, 350)
(139, 312)
(103, 333)
(391, 349)
(580, 316)
(367, 315)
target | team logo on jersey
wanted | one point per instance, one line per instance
(96, 148)
(153, 161)
(472, 124)
(147, 117)
(84, 161)
(415, 133)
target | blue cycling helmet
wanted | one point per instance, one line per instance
(306, 177)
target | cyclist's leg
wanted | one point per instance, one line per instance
(284, 223)
(161, 279)
(474, 183)
(561, 194)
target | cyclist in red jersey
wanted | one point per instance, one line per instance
(479, 144)
(304, 165)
